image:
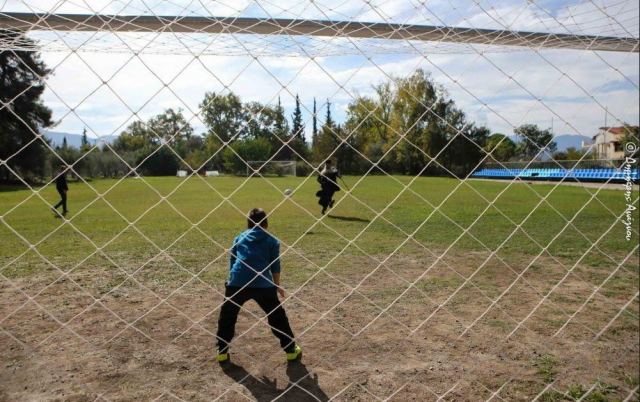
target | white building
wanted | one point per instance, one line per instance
(608, 143)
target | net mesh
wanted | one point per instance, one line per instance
(270, 168)
(533, 294)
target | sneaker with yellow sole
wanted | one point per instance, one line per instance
(297, 352)
(222, 357)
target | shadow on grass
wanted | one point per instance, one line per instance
(12, 187)
(349, 218)
(303, 386)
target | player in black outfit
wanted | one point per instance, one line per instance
(328, 180)
(61, 186)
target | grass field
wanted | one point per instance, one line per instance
(407, 290)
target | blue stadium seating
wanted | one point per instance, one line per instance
(594, 174)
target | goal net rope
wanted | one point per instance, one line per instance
(278, 168)
(475, 55)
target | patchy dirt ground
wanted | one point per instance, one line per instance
(496, 335)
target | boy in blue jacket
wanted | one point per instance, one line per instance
(254, 273)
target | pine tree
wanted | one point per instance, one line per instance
(64, 143)
(314, 137)
(85, 141)
(329, 121)
(280, 121)
(328, 139)
(281, 133)
(22, 82)
(297, 130)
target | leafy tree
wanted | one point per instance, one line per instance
(109, 165)
(465, 150)
(261, 121)
(196, 159)
(66, 152)
(270, 123)
(419, 113)
(572, 154)
(502, 148)
(135, 137)
(300, 148)
(22, 77)
(407, 123)
(576, 154)
(223, 115)
(368, 121)
(88, 165)
(347, 156)
(534, 140)
(163, 162)
(258, 149)
(187, 147)
(213, 152)
(169, 127)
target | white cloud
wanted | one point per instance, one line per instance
(339, 78)
(467, 77)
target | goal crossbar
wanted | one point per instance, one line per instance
(322, 28)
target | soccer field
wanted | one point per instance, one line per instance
(408, 289)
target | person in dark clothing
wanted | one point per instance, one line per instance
(61, 186)
(328, 180)
(254, 274)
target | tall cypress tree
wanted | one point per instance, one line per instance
(328, 139)
(280, 122)
(85, 141)
(329, 121)
(281, 130)
(297, 130)
(314, 137)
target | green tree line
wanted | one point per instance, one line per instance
(408, 125)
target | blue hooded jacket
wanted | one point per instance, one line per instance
(254, 251)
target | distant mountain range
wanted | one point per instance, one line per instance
(571, 140)
(74, 140)
(564, 142)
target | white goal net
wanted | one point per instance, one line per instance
(482, 243)
(271, 168)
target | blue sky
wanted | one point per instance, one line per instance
(498, 87)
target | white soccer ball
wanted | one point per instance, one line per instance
(288, 192)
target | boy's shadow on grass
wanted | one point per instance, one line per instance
(303, 386)
(348, 218)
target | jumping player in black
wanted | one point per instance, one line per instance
(61, 186)
(328, 180)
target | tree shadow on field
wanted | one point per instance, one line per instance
(303, 386)
(349, 218)
(4, 188)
